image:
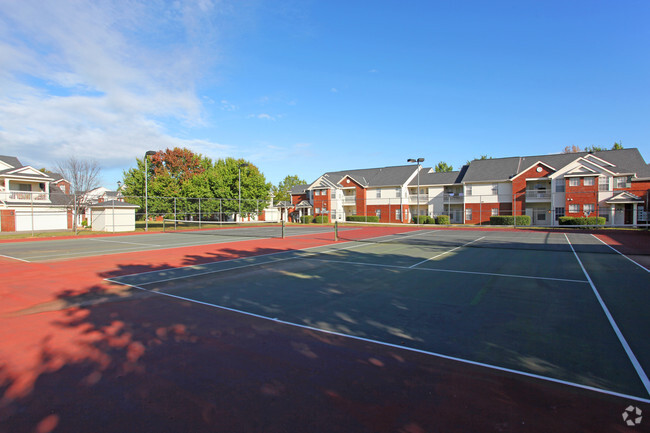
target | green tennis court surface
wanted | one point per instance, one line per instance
(184, 234)
(565, 308)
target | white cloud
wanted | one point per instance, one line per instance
(100, 79)
(334, 90)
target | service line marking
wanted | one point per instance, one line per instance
(612, 322)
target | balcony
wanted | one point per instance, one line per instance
(418, 198)
(25, 196)
(453, 197)
(538, 195)
(349, 199)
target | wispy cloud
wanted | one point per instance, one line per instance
(96, 79)
(334, 90)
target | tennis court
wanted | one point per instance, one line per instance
(539, 304)
(355, 328)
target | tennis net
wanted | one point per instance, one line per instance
(252, 229)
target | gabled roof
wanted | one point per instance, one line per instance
(368, 178)
(429, 177)
(298, 189)
(623, 161)
(9, 162)
(624, 197)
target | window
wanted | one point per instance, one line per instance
(559, 212)
(495, 212)
(574, 208)
(378, 213)
(317, 210)
(378, 193)
(468, 214)
(589, 181)
(623, 182)
(468, 189)
(406, 214)
(398, 214)
(398, 192)
(495, 189)
(603, 183)
(574, 181)
(559, 186)
(588, 209)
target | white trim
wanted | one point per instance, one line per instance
(533, 166)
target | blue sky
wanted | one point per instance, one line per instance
(305, 87)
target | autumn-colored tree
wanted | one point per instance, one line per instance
(572, 149)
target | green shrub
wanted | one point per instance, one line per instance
(424, 219)
(307, 219)
(363, 218)
(582, 221)
(321, 219)
(442, 219)
(509, 220)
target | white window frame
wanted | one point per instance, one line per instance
(574, 181)
(589, 181)
(574, 208)
(468, 214)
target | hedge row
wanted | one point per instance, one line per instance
(582, 221)
(363, 218)
(424, 219)
(509, 220)
(308, 219)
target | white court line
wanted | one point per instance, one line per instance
(619, 334)
(639, 265)
(15, 258)
(446, 252)
(406, 348)
(492, 274)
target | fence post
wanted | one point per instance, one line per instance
(199, 212)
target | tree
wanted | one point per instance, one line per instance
(83, 176)
(442, 167)
(190, 186)
(282, 192)
(481, 157)
(617, 146)
(572, 149)
(594, 149)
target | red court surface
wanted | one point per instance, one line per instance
(78, 354)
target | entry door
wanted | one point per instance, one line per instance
(629, 213)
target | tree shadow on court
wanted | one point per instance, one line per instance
(113, 358)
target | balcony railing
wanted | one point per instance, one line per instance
(27, 196)
(349, 199)
(453, 197)
(421, 198)
(538, 194)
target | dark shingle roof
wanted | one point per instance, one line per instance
(11, 160)
(298, 189)
(371, 177)
(485, 170)
(430, 177)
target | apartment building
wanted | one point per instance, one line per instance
(614, 184)
(31, 199)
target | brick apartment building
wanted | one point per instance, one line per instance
(613, 184)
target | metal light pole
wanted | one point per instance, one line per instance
(146, 189)
(418, 161)
(244, 164)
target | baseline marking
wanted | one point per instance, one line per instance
(619, 334)
(446, 252)
(638, 264)
(397, 346)
(15, 258)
